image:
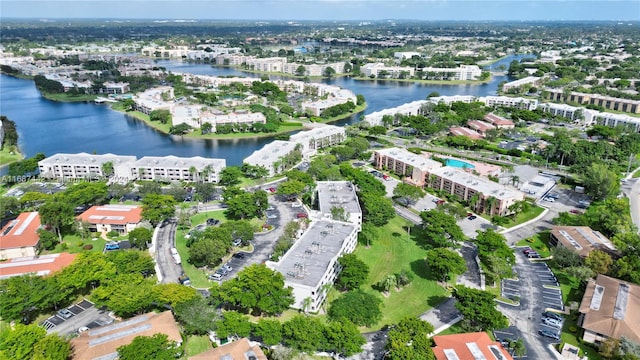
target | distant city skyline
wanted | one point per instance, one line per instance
(339, 10)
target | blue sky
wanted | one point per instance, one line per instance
(326, 9)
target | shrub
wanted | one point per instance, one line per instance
(573, 329)
(64, 246)
(87, 247)
(113, 234)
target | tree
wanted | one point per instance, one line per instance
(598, 261)
(107, 169)
(140, 237)
(564, 258)
(387, 283)
(58, 214)
(303, 333)
(18, 343)
(206, 128)
(156, 208)
(378, 209)
(301, 70)
(494, 252)
(233, 323)
(409, 339)
(86, 193)
(357, 306)
(600, 182)
(344, 338)
(410, 193)
(52, 347)
(230, 176)
(239, 229)
(157, 347)
(196, 315)
(329, 72)
(269, 331)
(88, 270)
(210, 247)
(132, 262)
(444, 262)
(48, 240)
(126, 294)
(441, 229)
(353, 274)
(291, 188)
(163, 116)
(257, 289)
(173, 293)
(479, 310)
(242, 206)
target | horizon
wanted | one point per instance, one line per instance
(326, 10)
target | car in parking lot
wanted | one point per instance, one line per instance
(272, 216)
(302, 215)
(576, 211)
(215, 276)
(386, 177)
(472, 217)
(270, 208)
(227, 267)
(212, 222)
(552, 322)
(551, 315)
(65, 313)
(112, 245)
(296, 205)
(533, 255)
(549, 199)
(272, 189)
(527, 250)
(549, 334)
(239, 255)
(237, 242)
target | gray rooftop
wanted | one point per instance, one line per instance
(337, 193)
(307, 261)
(179, 162)
(477, 183)
(270, 153)
(317, 133)
(407, 157)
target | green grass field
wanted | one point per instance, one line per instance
(523, 217)
(390, 253)
(538, 242)
(66, 97)
(636, 174)
(9, 154)
(197, 344)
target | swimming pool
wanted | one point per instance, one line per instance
(459, 164)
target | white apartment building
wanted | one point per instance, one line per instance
(465, 185)
(83, 165)
(232, 59)
(312, 69)
(161, 51)
(454, 98)
(173, 168)
(405, 54)
(412, 108)
(115, 87)
(374, 70)
(414, 167)
(152, 99)
(532, 80)
(463, 72)
(612, 120)
(186, 114)
(312, 261)
(271, 155)
(318, 138)
(272, 64)
(238, 118)
(315, 108)
(516, 102)
(339, 194)
(567, 111)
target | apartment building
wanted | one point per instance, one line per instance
(463, 72)
(413, 108)
(480, 126)
(162, 51)
(507, 101)
(499, 122)
(272, 64)
(173, 168)
(466, 132)
(339, 194)
(154, 99)
(19, 237)
(414, 167)
(312, 69)
(105, 218)
(401, 55)
(492, 198)
(610, 308)
(566, 111)
(467, 99)
(471, 346)
(607, 102)
(232, 59)
(529, 80)
(612, 120)
(271, 156)
(319, 138)
(235, 118)
(39, 265)
(380, 70)
(312, 261)
(582, 240)
(83, 165)
(115, 87)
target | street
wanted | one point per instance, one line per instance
(169, 270)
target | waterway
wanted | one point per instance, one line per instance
(51, 127)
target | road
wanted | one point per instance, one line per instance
(631, 188)
(166, 240)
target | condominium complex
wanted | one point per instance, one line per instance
(466, 132)
(106, 218)
(492, 198)
(315, 108)
(154, 99)
(404, 163)
(463, 72)
(83, 165)
(581, 240)
(499, 122)
(607, 102)
(312, 261)
(173, 168)
(19, 237)
(194, 116)
(592, 117)
(339, 194)
(380, 70)
(271, 156)
(413, 108)
(529, 80)
(566, 111)
(480, 126)
(318, 138)
(507, 101)
(166, 168)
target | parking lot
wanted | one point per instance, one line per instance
(83, 315)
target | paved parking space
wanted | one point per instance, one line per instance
(510, 289)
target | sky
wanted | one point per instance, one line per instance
(476, 10)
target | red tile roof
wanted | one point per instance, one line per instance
(112, 214)
(237, 350)
(497, 120)
(21, 232)
(39, 265)
(465, 345)
(462, 131)
(481, 126)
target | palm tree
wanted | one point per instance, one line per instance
(515, 179)
(518, 348)
(193, 172)
(475, 200)
(306, 304)
(489, 204)
(206, 171)
(387, 283)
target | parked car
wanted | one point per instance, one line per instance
(227, 267)
(112, 245)
(386, 177)
(212, 222)
(549, 334)
(238, 255)
(472, 217)
(302, 215)
(533, 255)
(551, 315)
(270, 208)
(215, 276)
(552, 322)
(237, 242)
(222, 271)
(65, 313)
(184, 280)
(272, 216)
(549, 199)
(527, 250)
(272, 189)
(296, 205)
(576, 211)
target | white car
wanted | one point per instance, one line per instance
(272, 216)
(296, 205)
(549, 199)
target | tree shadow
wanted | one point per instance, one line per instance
(419, 268)
(434, 301)
(396, 235)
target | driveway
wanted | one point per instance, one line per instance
(166, 239)
(631, 188)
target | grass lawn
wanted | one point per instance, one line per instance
(73, 244)
(203, 216)
(197, 344)
(539, 242)
(66, 97)
(567, 336)
(391, 252)
(198, 277)
(9, 154)
(523, 217)
(636, 174)
(454, 329)
(154, 124)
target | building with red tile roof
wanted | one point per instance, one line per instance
(105, 218)
(499, 121)
(462, 131)
(19, 237)
(102, 343)
(237, 350)
(480, 126)
(39, 265)
(468, 346)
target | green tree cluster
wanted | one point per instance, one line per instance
(31, 342)
(479, 310)
(358, 307)
(409, 339)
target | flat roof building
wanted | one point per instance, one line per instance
(529, 80)
(465, 185)
(102, 343)
(340, 194)
(412, 108)
(312, 261)
(83, 165)
(271, 156)
(469, 346)
(405, 163)
(38, 265)
(19, 237)
(582, 240)
(106, 218)
(173, 168)
(319, 138)
(610, 308)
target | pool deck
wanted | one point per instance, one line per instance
(481, 168)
